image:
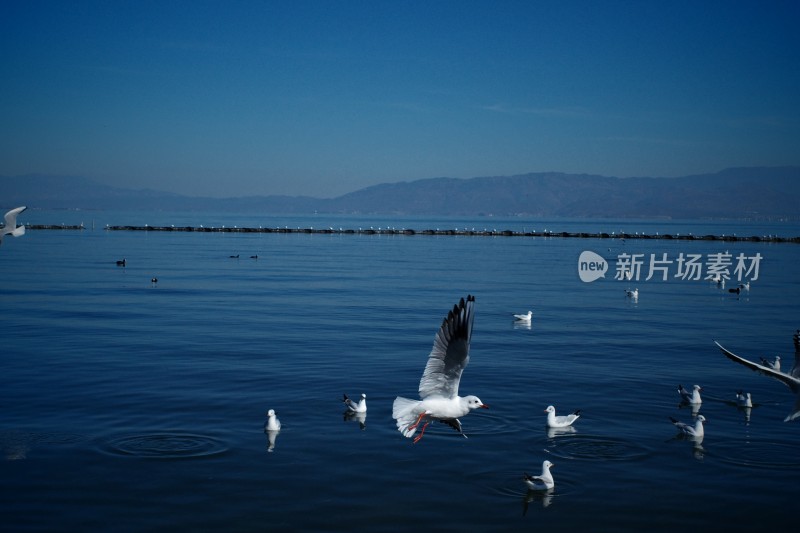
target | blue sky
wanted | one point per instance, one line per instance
(322, 98)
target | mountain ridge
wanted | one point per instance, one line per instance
(739, 192)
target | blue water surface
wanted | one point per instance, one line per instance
(135, 405)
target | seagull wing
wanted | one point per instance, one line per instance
(789, 380)
(450, 353)
(795, 370)
(11, 217)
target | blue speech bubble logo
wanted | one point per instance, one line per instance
(591, 266)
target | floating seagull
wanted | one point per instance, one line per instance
(10, 227)
(542, 482)
(438, 387)
(743, 399)
(360, 407)
(121, 263)
(775, 365)
(688, 429)
(273, 424)
(524, 318)
(791, 379)
(632, 293)
(692, 397)
(554, 421)
(745, 286)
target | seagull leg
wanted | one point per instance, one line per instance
(421, 433)
(419, 419)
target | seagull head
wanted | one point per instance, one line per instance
(473, 402)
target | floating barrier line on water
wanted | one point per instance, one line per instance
(465, 232)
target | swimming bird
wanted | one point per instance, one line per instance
(544, 481)
(743, 399)
(121, 263)
(775, 365)
(438, 386)
(360, 407)
(10, 227)
(745, 286)
(692, 397)
(554, 421)
(791, 379)
(689, 430)
(273, 424)
(632, 293)
(524, 318)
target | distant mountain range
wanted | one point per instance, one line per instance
(752, 192)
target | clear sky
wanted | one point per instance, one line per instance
(325, 97)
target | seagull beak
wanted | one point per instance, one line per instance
(484, 406)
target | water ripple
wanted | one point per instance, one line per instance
(758, 453)
(590, 447)
(165, 446)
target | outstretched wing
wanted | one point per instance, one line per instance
(790, 381)
(450, 353)
(10, 218)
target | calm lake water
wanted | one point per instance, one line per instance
(139, 406)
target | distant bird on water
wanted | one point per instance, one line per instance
(356, 407)
(775, 365)
(524, 318)
(689, 430)
(744, 399)
(10, 227)
(544, 481)
(121, 263)
(692, 396)
(273, 424)
(554, 421)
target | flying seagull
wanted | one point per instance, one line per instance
(10, 227)
(438, 387)
(791, 379)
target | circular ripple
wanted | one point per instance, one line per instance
(757, 454)
(587, 447)
(165, 446)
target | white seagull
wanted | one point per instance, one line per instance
(791, 379)
(634, 294)
(353, 407)
(438, 387)
(744, 399)
(542, 482)
(554, 421)
(692, 396)
(524, 318)
(10, 227)
(273, 424)
(688, 429)
(775, 365)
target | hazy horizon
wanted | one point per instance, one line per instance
(319, 99)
